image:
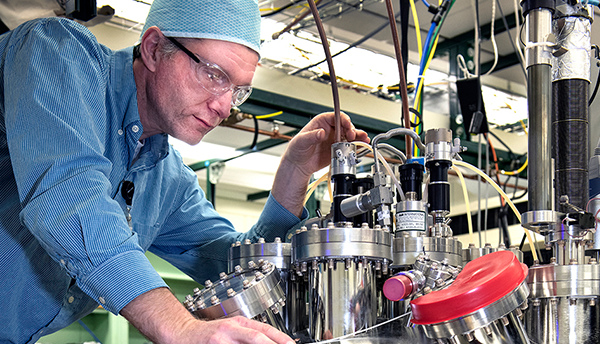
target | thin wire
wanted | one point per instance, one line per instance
(514, 41)
(89, 331)
(336, 340)
(493, 39)
(360, 41)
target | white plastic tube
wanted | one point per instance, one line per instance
(506, 198)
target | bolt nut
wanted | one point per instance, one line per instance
(237, 243)
(469, 336)
(230, 292)
(593, 261)
(247, 242)
(222, 276)
(316, 226)
(207, 284)
(246, 284)
(251, 265)
(261, 240)
(553, 260)
(505, 321)
(330, 225)
(258, 276)
(536, 302)
(572, 301)
(214, 300)
(277, 240)
(238, 269)
(573, 261)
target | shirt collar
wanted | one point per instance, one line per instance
(125, 93)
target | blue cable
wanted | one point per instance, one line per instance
(426, 3)
(89, 331)
(425, 55)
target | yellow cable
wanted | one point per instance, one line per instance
(467, 204)
(506, 198)
(417, 28)
(512, 173)
(269, 115)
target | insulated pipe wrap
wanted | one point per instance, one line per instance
(573, 34)
(570, 137)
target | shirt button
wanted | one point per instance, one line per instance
(135, 128)
(120, 131)
(71, 299)
(62, 261)
(101, 299)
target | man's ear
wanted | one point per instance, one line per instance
(149, 47)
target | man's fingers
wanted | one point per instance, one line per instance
(257, 332)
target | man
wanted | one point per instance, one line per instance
(81, 124)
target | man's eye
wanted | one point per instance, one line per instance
(216, 77)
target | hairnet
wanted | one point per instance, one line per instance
(235, 21)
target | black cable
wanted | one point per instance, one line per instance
(255, 138)
(404, 7)
(512, 42)
(360, 41)
(418, 115)
(281, 9)
(595, 87)
(510, 152)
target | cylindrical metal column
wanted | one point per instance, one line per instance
(539, 175)
(539, 27)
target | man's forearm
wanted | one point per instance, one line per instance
(289, 188)
(158, 315)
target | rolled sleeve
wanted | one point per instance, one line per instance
(119, 280)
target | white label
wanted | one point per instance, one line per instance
(411, 221)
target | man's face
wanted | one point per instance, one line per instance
(179, 105)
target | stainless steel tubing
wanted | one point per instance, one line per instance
(539, 178)
(538, 58)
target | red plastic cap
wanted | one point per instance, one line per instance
(482, 282)
(397, 288)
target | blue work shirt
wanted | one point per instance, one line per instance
(69, 129)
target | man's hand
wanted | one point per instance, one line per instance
(308, 152)
(159, 316)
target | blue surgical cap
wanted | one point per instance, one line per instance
(235, 21)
